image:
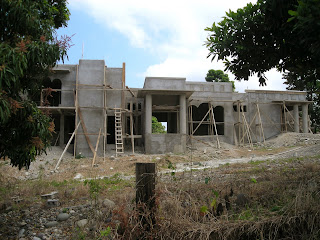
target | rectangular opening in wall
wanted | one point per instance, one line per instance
(198, 114)
(168, 121)
(157, 127)
(111, 130)
(68, 128)
(203, 122)
(219, 118)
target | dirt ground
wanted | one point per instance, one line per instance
(187, 185)
(200, 155)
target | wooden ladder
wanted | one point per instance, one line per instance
(118, 131)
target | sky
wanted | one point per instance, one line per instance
(154, 38)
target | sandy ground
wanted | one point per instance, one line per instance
(198, 157)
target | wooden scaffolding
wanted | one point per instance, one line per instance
(119, 113)
(208, 119)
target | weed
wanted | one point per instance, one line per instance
(253, 180)
(79, 156)
(206, 180)
(59, 184)
(65, 210)
(106, 232)
(257, 162)
(80, 234)
(94, 188)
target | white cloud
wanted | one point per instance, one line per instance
(171, 30)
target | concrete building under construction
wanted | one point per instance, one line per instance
(110, 118)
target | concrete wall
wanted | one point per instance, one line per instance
(67, 75)
(114, 79)
(163, 83)
(94, 72)
(90, 72)
(164, 143)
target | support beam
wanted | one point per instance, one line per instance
(305, 118)
(148, 115)
(183, 112)
(68, 144)
(296, 118)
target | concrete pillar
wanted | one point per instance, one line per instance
(296, 118)
(148, 116)
(61, 133)
(183, 113)
(305, 118)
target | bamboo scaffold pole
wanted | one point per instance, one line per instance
(131, 126)
(215, 126)
(260, 124)
(201, 122)
(96, 149)
(247, 128)
(68, 144)
(76, 106)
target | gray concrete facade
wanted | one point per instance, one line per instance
(191, 110)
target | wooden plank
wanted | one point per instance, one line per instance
(130, 91)
(84, 128)
(96, 149)
(134, 136)
(68, 144)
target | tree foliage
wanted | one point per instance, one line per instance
(218, 76)
(157, 127)
(29, 49)
(282, 34)
(268, 34)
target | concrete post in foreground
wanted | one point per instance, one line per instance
(145, 192)
(305, 118)
(183, 113)
(148, 115)
(296, 118)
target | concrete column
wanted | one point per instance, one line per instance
(296, 117)
(305, 118)
(61, 133)
(148, 117)
(183, 117)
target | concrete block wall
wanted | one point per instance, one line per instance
(165, 143)
(164, 83)
(90, 72)
(67, 75)
(114, 79)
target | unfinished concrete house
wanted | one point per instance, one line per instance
(111, 118)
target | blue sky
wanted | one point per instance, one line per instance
(154, 38)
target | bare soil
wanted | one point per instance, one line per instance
(269, 176)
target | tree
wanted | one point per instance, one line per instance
(282, 34)
(218, 76)
(157, 127)
(28, 51)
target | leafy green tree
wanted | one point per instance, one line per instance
(282, 34)
(29, 49)
(157, 127)
(218, 76)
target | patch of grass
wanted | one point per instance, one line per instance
(257, 162)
